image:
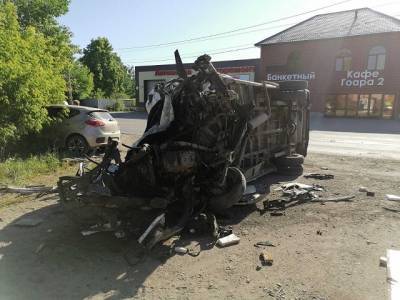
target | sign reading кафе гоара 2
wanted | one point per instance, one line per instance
(362, 78)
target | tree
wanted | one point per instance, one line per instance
(81, 81)
(109, 73)
(30, 77)
(40, 14)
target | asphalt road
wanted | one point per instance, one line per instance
(350, 137)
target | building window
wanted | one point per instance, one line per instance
(376, 58)
(294, 61)
(352, 105)
(343, 60)
(363, 105)
(330, 103)
(388, 105)
(375, 105)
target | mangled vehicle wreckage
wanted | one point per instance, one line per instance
(206, 136)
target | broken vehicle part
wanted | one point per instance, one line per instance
(264, 243)
(319, 176)
(266, 258)
(392, 197)
(228, 240)
(206, 136)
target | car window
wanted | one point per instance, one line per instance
(101, 115)
(73, 112)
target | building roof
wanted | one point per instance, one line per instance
(341, 24)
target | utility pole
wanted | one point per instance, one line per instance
(69, 87)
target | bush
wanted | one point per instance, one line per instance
(119, 105)
(30, 78)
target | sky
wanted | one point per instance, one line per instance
(137, 28)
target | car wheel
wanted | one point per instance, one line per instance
(234, 189)
(290, 171)
(289, 161)
(77, 145)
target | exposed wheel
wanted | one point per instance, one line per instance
(293, 85)
(289, 161)
(77, 145)
(290, 171)
(234, 189)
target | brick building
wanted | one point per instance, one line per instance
(351, 59)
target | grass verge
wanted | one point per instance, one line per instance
(30, 170)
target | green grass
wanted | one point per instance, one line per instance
(22, 171)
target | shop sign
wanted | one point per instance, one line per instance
(292, 76)
(362, 78)
(226, 70)
(243, 69)
(170, 72)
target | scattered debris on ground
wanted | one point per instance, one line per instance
(266, 258)
(392, 197)
(319, 176)
(42, 190)
(228, 240)
(264, 243)
(300, 191)
(181, 250)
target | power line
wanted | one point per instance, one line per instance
(237, 29)
(211, 52)
(231, 49)
(185, 57)
(227, 36)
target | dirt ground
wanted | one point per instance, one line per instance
(54, 261)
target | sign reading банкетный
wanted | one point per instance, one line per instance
(291, 76)
(362, 78)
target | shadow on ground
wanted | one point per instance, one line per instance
(54, 261)
(130, 115)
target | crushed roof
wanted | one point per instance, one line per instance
(348, 23)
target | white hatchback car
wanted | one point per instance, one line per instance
(84, 128)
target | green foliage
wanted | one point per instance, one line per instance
(81, 81)
(40, 13)
(17, 170)
(30, 78)
(119, 105)
(109, 73)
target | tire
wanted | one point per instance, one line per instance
(293, 85)
(293, 160)
(302, 148)
(235, 187)
(77, 145)
(291, 171)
